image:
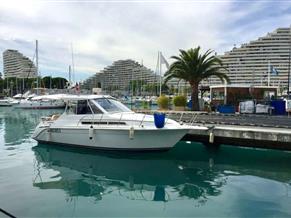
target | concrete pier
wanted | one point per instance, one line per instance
(258, 131)
(248, 136)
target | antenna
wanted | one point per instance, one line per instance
(73, 65)
(70, 75)
(160, 70)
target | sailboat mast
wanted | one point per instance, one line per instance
(156, 71)
(73, 64)
(160, 71)
(70, 75)
(36, 56)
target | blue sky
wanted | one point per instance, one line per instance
(102, 32)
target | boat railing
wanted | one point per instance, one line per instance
(192, 120)
(107, 120)
(82, 118)
(120, 118)
(142, 120)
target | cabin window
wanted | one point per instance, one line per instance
(71, 107)
(86, 107)
(111, 105)
(82, 107)
(95, 109)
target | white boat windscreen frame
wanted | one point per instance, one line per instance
(95, 106)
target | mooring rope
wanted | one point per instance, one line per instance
(6, 213)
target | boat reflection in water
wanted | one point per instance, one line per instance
(189, 171)
(136, 176)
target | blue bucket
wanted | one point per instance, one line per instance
(279, 106)
(226, 109)
(159, 120)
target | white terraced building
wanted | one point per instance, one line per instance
(118, 76)
(16, 64)
(249, 64)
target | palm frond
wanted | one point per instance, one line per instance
(191, 65)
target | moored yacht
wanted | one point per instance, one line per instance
(41, 102)
(103, 122)
(8, 102)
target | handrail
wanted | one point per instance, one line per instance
(166, 120)
(194, 118)
(181, 117)
(81, 120)
(119, 119)
(142, 120)
(101, 118)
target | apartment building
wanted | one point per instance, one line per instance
(251, 62)
(16, 64)
(119, 75)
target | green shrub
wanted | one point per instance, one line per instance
(163, 102)
(180, 101)
(145, 105)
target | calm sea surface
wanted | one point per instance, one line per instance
(188, 181)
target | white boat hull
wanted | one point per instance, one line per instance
(38, 105)
(5, 104)
(8, 102)
(112, 139)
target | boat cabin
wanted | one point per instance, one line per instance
(95, 105)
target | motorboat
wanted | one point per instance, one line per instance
(41, 102)
(8, 102)
(102, 122)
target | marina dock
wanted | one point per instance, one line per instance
(247, 130)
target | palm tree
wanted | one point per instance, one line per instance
(194, 67)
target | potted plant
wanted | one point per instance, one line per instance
(180, 102)
(163, 102)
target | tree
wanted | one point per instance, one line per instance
(47, 82)
(193, 67)
(59, 82)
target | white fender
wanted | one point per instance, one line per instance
(91, 132)
(131, 132)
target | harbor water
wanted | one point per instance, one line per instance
(190, 180)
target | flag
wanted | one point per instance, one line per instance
(77, 87)
(274, 71)
(164, 61)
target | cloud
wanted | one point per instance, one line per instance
(102, 32)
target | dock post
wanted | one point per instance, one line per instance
(211, 137)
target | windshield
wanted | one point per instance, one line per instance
(111, 105)
(82, 107)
